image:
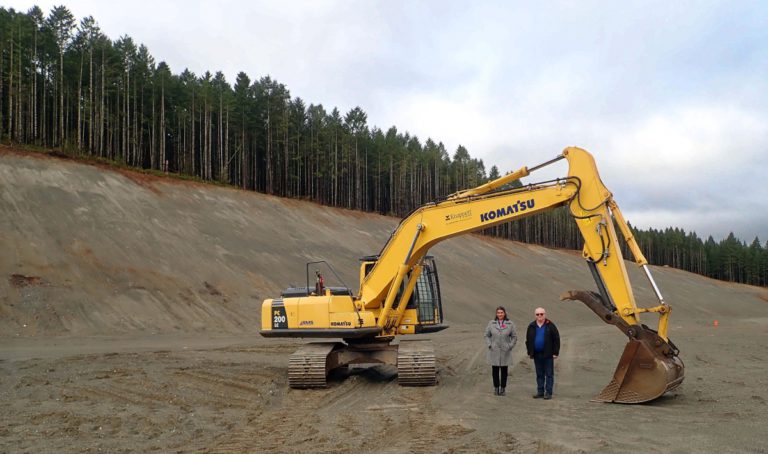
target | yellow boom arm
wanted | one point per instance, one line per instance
(590, 204)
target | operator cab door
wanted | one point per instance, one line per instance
(426, 296)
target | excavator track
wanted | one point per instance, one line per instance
(308, 367)
(416, 363)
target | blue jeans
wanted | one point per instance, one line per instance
(545, 374)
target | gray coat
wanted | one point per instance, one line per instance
(499, 342)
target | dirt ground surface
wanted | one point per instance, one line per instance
(130, 310)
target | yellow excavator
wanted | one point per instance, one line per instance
(399, 290)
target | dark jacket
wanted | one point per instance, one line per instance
(551, 339)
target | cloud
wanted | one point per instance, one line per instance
(701, 168)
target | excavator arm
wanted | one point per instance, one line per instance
(430, 225)
(582, 190)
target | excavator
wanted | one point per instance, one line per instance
(399, 291)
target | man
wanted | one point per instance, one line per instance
(543, 343)
(319, 284)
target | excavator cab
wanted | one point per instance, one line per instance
(425, 299)
(424, 308)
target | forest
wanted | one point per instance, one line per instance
(65, 85)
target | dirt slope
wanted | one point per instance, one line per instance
(129, 307)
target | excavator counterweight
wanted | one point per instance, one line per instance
(399, 291)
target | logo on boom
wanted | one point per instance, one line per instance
(520, 205)
(456, 217)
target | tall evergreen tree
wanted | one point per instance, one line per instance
(61, 22)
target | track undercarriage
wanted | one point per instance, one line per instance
(310, 365)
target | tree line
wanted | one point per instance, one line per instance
(64, 84)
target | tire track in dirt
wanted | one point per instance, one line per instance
(130, 395)
(239, 388)
(463, 369)
(351, 393)
(216, 381)
(280, 428)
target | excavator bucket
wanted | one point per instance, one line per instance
(642, 375)
(649, 365)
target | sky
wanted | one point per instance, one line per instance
(670, 97)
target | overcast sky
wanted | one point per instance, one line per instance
(670, 97)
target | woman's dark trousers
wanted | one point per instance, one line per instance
(499, 376)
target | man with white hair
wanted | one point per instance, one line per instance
(543, 343)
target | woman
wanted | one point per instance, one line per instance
(500, 336)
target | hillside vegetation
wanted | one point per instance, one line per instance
(64, 84)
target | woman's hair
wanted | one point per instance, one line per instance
(502, 309)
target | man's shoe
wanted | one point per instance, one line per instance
(502, 391)
(547, 396)
(538, 396)
(496, 391)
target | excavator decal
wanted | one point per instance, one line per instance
(456, 217)
(279, 318)
(510, 209)
(399, 291)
